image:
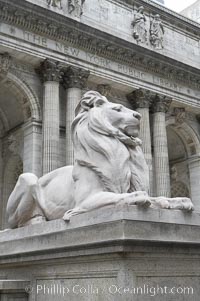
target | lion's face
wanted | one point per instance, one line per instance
(119, 117)
(122, 118)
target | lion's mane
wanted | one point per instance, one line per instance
(116, 158)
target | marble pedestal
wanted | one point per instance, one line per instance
(116, 253)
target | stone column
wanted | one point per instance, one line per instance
(75, 80)
(51, 125)
(194, 170)
(161, 160)
(32, 157)
(141, 101)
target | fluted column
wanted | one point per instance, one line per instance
(75, 80)
(32, 148)
(51, 77)
(161, 160)
(141, 101)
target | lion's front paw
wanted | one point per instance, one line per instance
(140, 198)
(160, 203)
(183, 204)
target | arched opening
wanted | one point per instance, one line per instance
(18, 106)
(184, 160)
(12, 170)
(178, 162)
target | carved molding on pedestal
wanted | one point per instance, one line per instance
(50, 71)
(140, 98)
(75, 78)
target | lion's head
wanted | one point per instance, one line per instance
(109, 118)
(105, 136)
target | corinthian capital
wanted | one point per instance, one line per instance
(5, 63)
(50, 71)
(140, 98)
(160, 103)
(75, 78)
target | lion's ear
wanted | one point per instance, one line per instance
(91, 99)
(100, 101)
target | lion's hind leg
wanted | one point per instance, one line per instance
(22, 207)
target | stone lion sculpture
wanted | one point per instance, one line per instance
(109, 169)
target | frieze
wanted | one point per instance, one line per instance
(78, 39)
(106, 49)
(139, 71)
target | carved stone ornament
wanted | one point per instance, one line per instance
(5, 63)
(139, 26)
(55, 3)
(140, 98)
(15, 143)
(50, 71)
(75, 7)
(180, 115)
(160, 103)
(101, 132)
(104, 89)
(156, 32)
(178, 188)
(75, 78)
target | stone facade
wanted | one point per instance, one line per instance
(51, 52)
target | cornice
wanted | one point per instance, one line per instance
(31, 17)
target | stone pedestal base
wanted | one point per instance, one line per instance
(116, 253)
